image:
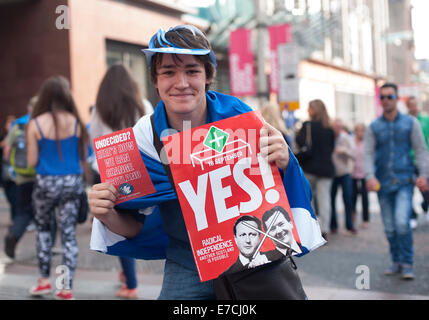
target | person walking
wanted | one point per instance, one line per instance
(8, 179)
(182, 67)
(413, 110)
(389, 169)
(358, 177)
(15, 151)
(118, 106)
(319, 168)
(343, 158)
(271, 114)
(57, 142)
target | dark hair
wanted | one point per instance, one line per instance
(55, 96)
(269, 213)
(390, 85)
(118, 100)
(186, 39)
(247, 218)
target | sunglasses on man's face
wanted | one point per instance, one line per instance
(390, 97)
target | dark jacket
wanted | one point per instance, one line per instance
(322, 147)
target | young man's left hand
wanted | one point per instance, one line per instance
(273, 146)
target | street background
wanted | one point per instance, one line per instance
(327, 273)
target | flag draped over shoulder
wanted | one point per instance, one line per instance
(151, 243)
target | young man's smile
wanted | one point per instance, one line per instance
(181, 83)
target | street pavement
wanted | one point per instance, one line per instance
(347, 268)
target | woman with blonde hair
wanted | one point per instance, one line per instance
(271, 113)
(319, 167)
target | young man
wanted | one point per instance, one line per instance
(389, 168)
(182, 66)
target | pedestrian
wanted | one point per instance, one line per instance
(358, 177)
(15, 151)
(57, 142)
(343, 158)
(182, 67)
(118, 106)
(414, 111)
(8, 179)
(389, 168)
(318, 165)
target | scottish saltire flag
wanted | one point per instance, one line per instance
(151, 243)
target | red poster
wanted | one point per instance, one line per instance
(241, 63)
(278, 34)
(234, 204)
(121, 165)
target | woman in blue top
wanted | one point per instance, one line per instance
(56, 140)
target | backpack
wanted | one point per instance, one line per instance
(18, 153)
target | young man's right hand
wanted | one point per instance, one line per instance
(372, 185)
(102, 199)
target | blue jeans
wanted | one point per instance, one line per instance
(396, 212)
(359, 186)
(24, 210)
(129, 268)
(180, 283)
(346, 184)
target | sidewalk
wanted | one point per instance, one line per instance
(102, 285)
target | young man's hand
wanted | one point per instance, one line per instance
(102, 199)
(273, 146)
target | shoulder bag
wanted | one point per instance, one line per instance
(277, 280)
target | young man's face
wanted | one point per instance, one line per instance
(388, 104)
(412, 107)
(181, 84)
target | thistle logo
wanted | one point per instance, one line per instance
(126, 189)
(216, 139)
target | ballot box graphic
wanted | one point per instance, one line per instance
(219, 149)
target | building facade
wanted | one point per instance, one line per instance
(79, 40)
(342, 58)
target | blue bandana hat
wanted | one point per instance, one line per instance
(168, 47)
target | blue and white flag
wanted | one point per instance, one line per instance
(152, 242)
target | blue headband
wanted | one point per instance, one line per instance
(168, 47)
